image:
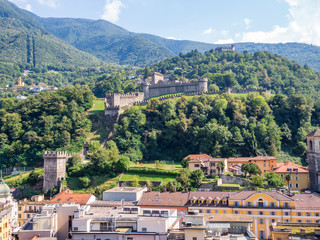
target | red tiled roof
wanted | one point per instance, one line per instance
(172, 199)
(246, 159)
(67, 196)
(306, 201)
(198, 156)
(283, 168)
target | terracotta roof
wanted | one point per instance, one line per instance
(173, 199)
(205, 195)
(246, 194)
(198, 156)
(67, 196)
(306, 201)
(315, 133)
(283, 168)
(221, 218)
(246, 159)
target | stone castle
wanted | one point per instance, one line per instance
(115, 102)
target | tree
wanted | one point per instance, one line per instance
(257, 180)
(135, 181)
(84, 181)
(122, 165)
(288, 179)
(149, 184)
(274, 180)
(183, 178)
(33, 178)
(184, 162)
(196, 178)
(250, 168)
(100, 161)
(221, 166)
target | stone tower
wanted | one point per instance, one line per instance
(313, 155)
(146, 90)
(203, 85)
(54, 168)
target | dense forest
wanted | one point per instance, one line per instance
(47, 121)
(242, 70)
(221, 125)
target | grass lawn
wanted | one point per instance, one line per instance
(145, 177)
(98, 106)
(74, 182)
(22, 176)
(168, 166)
(229, 185)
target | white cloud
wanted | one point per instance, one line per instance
(28, 7)
(207, 31)
(304, 25)
(225, 32)
(112, 10)
(49, 3)
(173, 38)
(224, 41)
(247, 22)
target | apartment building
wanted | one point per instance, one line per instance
(265, 207)
(28, 208)
(209, 165)
(299, 175)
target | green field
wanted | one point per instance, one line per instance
(98, 106)
(145, 177)
(168, 166)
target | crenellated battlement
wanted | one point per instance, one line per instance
(51, 154)
(113, 107)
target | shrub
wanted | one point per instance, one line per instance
(84, 181)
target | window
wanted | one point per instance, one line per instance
(299, 221)
(19, 215)
(249, 213)
(260, 203)
(236, 212)
(194, 238)
(216, 211)
(213, 164)
(286, 220)
(261, 221)
(298, 213)
(290, 185)
(296, 178)
(297, 185)
(273, 213)
(224, 211)
(236, 204)
(19, 208)
(261, 213)
(273, 205)
(249, 204)
(264, 165)
(200, 211)
(308, 221)
(286, 205)
(286, 213)
(273, 220)
(208, 211)
(144, 229)
(308, 214)
(316, 214)
(196, 165)
(310, 145)
(75, 228)
(28, 215)
(30, 208)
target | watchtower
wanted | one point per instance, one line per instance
(54, 168)
(203, 85)
(313, 155)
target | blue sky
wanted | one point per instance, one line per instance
(212, 21)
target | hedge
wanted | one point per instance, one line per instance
(152, 171)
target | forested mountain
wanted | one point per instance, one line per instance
(24, 41)
(107, 41)
(221, 125)
(243, 70)
(112, 43)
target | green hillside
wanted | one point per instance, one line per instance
(24, 41)
(107, 41)
(243, 70)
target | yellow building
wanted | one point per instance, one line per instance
(5, 215)
(20, 83)
(299, 175)
(28, 208)
(266, 207)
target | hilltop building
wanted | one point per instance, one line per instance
(223, 49)
(313, 156)
(299, 175)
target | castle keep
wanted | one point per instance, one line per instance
(54, 168)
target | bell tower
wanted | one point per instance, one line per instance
(313, 155)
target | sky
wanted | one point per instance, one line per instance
(211, 21)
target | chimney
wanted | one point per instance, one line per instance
(187, 190)
(174, 190)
